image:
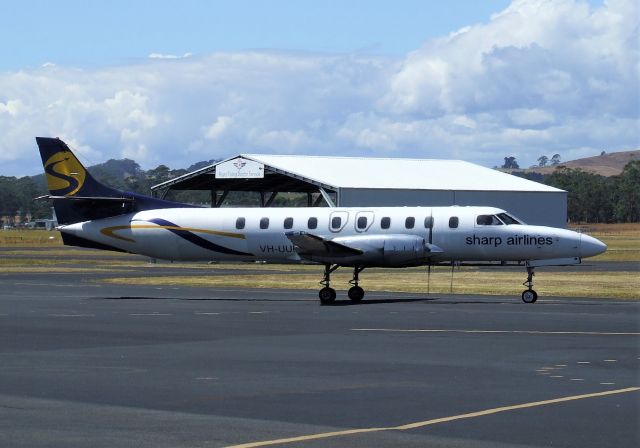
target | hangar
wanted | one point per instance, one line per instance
(371, 182)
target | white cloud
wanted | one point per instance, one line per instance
(11, 107)
(530, 117)
(218, 128)
(168, 56)
(541, 77)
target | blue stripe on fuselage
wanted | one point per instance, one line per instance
(195, 239)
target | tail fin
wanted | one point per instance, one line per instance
(78, 196)
(65, 175)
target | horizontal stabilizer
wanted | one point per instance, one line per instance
(85, 198)
(307, 244)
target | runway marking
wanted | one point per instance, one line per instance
(576, 379)
(258, 312)
(561, 365)
(72, 315)
(207, 314)
(433, 330)
(435, 421)
(607, 384)
(610, 360)
(150, 314)
(558, 376)
(583, 362)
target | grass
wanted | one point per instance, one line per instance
(599, 229)
(622, 285)
(622, 240)
(30, 238)
(57, 269)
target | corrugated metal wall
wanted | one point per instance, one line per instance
(540, 208)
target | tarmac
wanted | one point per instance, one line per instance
(89, 364)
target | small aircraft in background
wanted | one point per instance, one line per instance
(94, 215)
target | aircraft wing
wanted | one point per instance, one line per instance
(309, 245)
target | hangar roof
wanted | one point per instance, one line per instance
(360, 172)
(399, 173)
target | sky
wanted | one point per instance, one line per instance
(172, 83)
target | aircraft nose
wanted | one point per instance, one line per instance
(590, 246)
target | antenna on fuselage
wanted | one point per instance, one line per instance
(429, 278)
(451, 284)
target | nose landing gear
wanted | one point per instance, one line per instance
(529, 295)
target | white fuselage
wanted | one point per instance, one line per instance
(243, 234)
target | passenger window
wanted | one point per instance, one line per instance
(428, 222)
(288, 223)
(337, 220)
(453, 222)
(385, 222)
(312, 223)
(264, 223)
(240, 223)
(362, 222)
(410, 222)
(488, 220)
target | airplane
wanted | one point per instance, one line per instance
(94, 215)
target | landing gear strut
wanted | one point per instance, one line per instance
(529, 295)
(356, 293)
(327, 294)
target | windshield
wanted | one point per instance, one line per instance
(488, 220)
(508, 219)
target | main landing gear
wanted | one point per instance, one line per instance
(328, 295)
(529, 295)
(356, 293)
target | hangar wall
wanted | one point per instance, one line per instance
(539, 208)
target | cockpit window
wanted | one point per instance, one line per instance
(488, 220)
(508, 219)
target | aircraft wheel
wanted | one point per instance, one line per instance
(356, 293)
(529, 296)
(327, 295)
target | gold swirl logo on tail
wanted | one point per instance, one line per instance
(65, 174)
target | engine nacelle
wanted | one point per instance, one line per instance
(387, 250)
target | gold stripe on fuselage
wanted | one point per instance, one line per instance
(109, 231)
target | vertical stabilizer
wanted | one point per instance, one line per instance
(65, 175)
(78, 196)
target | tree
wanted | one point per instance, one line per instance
(589, 196)
(542, 160)
(555, 160)
(510, 163)
(627, 193)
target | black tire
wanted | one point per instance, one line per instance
(529, 296)
(356, 293)
(327, 295)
